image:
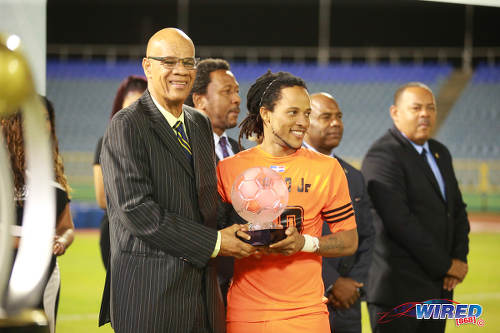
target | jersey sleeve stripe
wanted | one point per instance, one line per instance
(348, 210)
(341, 219)
(337, 209)
(343, 212)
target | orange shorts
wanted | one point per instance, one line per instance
(314, 322)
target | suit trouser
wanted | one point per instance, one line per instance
(346, 320)
(403, 324)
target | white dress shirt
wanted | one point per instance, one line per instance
(218, 149)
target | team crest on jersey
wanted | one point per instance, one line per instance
(278, 168)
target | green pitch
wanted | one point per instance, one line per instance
(82, 275)
(82, 282)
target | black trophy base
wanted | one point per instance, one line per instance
(265, 237)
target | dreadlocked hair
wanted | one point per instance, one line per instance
(265, 92)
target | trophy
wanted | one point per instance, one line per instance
(21, 288)
(259, 195)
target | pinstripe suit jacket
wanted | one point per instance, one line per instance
(162, 215)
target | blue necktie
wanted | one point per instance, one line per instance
(437, 175)
(223, 145)
(181, 136)
(422, 155)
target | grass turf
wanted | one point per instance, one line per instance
(82, 275)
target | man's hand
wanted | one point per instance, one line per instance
(458, 269)
(345, 292)
(232, 246)
(450, 282)
(293, 243)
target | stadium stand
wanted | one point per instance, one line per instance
(471, 132)
(82, 92)
(472, 128)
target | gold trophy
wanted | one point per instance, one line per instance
(21, 288)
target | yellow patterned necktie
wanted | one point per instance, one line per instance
(181, 136)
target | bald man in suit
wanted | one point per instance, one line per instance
(161, 190)
(421, 224)
(344, 277)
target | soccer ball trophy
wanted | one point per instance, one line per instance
(259, 195)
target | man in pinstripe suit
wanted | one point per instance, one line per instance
(159, 174)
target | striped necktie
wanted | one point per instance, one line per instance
(181, 136)
(223, 145)
(435, 172)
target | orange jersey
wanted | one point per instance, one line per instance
(276, 286)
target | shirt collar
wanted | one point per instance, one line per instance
(171, 119)
(308, 146)
(418, 148)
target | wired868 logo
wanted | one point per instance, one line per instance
(437, 309)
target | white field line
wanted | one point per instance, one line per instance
(482, 226)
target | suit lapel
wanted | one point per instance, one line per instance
(422, 164)
(193, 133)
(195, 137)
(165, 133)
(203, 161)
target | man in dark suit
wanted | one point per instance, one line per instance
(161, 191)
(215, 92)
(345, 276)
(421, 226)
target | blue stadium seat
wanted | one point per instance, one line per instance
(82, 93)
(472, 128)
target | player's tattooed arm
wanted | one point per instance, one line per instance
(339, 244)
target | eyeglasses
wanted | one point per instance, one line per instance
(171, 62)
